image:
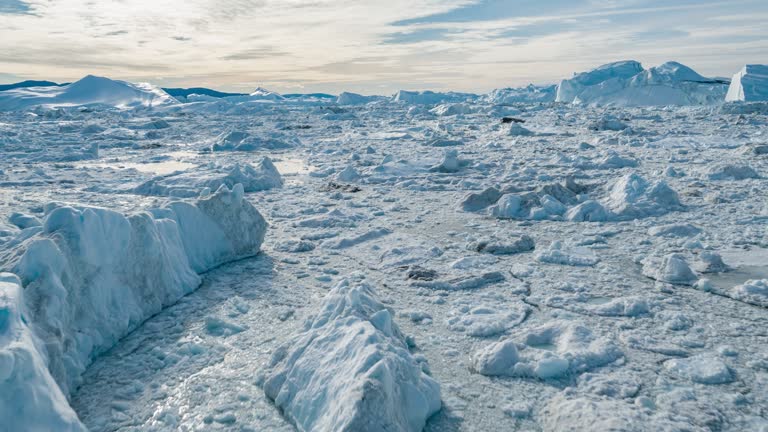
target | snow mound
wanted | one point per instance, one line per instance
(93, 275)
(91, 90)
(750, 84)
(30, 399)
(548, 352)
(351, 370)
(628, 84)
(263, 176)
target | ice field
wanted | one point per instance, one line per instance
(586, 256)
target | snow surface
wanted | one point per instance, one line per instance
(606, 270)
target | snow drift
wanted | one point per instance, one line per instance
(750, 84)
(91, 276)
(626, 83)
(351, 370)
(91, 90)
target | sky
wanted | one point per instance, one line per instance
(370, 46)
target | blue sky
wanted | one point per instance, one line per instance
(370, 46)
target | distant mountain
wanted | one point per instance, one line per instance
(184, 92)
(29, 83)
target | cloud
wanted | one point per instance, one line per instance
(473, 45)
(254, 53)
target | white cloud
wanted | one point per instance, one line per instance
(342, 44)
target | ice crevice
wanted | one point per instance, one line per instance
(87, 277)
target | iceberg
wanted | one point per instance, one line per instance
(750, 84)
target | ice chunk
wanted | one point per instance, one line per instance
(731, 172)
(546, 352)
(672, 268)
(674, 230)
(702, 369)
(752, 291)
(632, 197)
(573, 256)
(30, 400)
(750, 84)
(350, 369)
(485, 321)
(711, 262)
(348, 174)
(515, 243)
(478, 201)
(588, 211)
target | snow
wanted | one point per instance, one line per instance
(750, 84)
(351, 369)
(628, 84)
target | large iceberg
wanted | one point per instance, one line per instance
(750, 84)
(628, 84)
(91, 90)
(350, 369)
(90, 277)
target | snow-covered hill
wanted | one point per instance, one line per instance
(91, 90)
(626, 83)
